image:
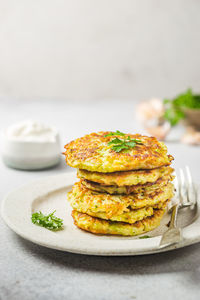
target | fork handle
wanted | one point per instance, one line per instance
(173, 221)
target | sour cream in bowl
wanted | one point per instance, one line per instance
(30, 145)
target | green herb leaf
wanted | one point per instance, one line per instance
(123, 144)
(119, 148)
(115, 141)
(50, 221)
(144, 237)
(131, 144)
(117, 132)
(173, 115)
(174, 109)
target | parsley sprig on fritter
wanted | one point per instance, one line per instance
(124, 143)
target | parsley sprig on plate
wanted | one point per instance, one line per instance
(144, 237)
(49, 221)
(124, 143)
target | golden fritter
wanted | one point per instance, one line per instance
(131, 216)
(94, 152)
(99, 226)
(127, 189)
(125, 178)
(85, 200)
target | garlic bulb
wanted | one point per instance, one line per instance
(151, 113)
(191, 136)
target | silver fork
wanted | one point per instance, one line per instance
(186, 195)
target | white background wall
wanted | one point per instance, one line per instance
(95, 49)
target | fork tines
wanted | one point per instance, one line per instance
(185, 189)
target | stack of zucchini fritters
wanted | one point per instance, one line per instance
(125, 182)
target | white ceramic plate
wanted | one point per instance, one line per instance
(49, 194)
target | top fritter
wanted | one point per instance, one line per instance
(115, 151)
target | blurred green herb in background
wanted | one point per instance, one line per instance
(174, 109)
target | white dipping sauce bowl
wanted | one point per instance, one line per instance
(30, 154)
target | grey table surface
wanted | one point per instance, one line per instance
(29, 271)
